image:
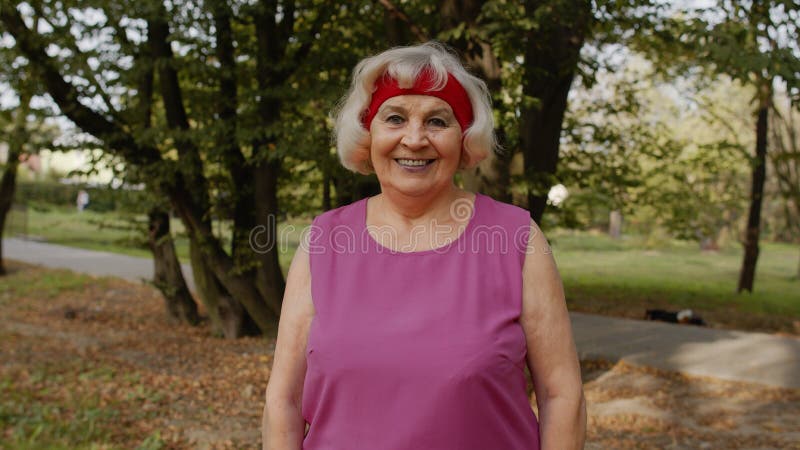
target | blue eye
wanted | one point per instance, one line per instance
(438, 122)
(394, 119)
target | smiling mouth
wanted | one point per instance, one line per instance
(414, 162)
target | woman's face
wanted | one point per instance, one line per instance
(415, 145)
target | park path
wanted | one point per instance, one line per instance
(92, 262)
(730, 355)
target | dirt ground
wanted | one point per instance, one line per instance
(109, 345)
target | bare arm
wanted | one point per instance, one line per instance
(283, 426)
(552, 358)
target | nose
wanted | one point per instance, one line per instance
(415, 136)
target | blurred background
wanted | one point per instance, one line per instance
(657, 143)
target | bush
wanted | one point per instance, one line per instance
(101, 198)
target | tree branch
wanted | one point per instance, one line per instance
(226, 106)
(67, 96)
(157, 32)
(286, 25)
(292, 62)
(418, 32)
(174, 183)
(120, 32)
(68, 39)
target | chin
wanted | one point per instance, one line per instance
(418, 189)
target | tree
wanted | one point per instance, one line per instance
(168, 277)
(699, 187)
(23, 129)
(529, 53)
(204, 143)
(18, 134)
(609, 148)
(552, 53)
(785, 162)
(751, 42)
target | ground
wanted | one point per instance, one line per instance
(94, 363)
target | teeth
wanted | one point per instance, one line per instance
(412, 162)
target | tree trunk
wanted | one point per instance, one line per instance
(215, 263)
(268, 276)
(551, 58)
(615, 224)
(8, 184)
(231, 313)
(492, 177)
(168, 277)
(271, 39)
(227, 316)
(751, 250)
(397, 31)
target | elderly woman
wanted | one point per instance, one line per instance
(409, 316)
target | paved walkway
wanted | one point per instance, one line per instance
(730, 355)
(85, 261)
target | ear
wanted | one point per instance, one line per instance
(472, 157)
(469, 159)
(366, 167)
(362, 158)
(464, 162)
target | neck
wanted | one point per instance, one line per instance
(413, 210)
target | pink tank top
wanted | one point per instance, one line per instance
(422, 350)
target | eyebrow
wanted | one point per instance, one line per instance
(385, 108)
(443, 111)
(396, 108)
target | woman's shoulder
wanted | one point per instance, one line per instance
(348, 214)
(500, 212)
(505, 225)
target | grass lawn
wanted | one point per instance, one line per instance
(53, 404)
(50, 407)
(620, 278)
(601, 275)
(91, 230)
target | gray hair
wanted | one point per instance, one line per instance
(404, 64)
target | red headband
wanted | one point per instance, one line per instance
(453, 93)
